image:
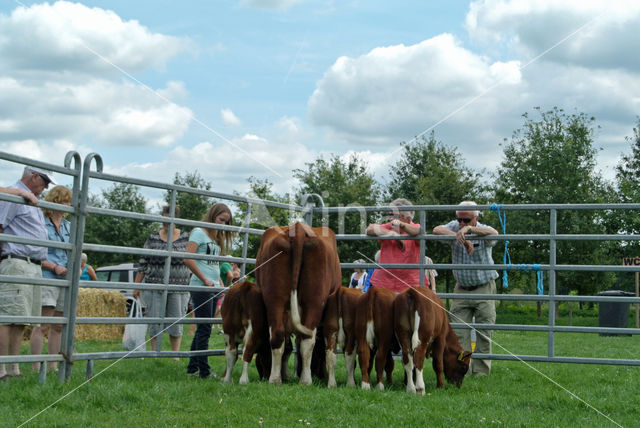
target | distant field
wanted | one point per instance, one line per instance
(156, 392)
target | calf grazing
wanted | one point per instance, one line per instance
(339, 329)
(422, 327)
(375, 334)
(298, 268)
(244, 321)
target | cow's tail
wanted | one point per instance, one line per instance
(297, 243)
(412, 309)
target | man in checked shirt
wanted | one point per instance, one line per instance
(470, 251)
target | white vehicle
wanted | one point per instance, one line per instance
(125, 272)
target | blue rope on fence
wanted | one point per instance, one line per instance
(506, 259)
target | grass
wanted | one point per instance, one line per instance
(156, 392)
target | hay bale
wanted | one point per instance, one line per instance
(95, 302)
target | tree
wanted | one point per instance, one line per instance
(192, 206)
(110, 230)
(343, 183)
(552, 160)
(628, 191)
(262, 216)
(431, 173)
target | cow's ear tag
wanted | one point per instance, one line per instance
(461, 356)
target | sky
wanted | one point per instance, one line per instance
(258, 88)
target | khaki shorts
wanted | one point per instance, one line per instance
(53, 296)
(21, 300)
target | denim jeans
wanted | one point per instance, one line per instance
(204, 306)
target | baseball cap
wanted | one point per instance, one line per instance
(44, 173)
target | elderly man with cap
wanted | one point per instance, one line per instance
(23, 260)
(467, 250)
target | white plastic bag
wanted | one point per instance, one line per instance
(135, 335)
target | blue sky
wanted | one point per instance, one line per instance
(258, 88)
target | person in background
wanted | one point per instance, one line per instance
(22, 260)
(151, 270)
(397, 250)
(55, 267)
(206, 273)
(86, 271)
(472, 251)
(358, 277)
(237, 272)
(226, 278)
(430, 275)
(28, 196)
(367, 282)
(226, 274)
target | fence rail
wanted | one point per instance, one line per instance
(82, 175)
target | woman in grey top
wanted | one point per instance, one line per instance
(151, 270)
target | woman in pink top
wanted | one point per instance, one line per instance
(397, 251)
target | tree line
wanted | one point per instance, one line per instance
(551, 158)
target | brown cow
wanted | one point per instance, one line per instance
(339, 329)
(297, 269)
(422, 327)
(375, 334)
(244, 321)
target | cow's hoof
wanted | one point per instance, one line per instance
(276, 381)
(351, 383)
(380, 387)
(243, 381)
(411, 390)
(420, 391)
(366, 386)
(225, 380)
(332, 384)
(305, 382)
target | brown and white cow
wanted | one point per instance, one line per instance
(339, 324)
(297, 269)
(244, 321)
(375, 334)
(422, 328)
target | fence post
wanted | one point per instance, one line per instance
(552, 280)
(245, 239)
(166, 273)
(307, 207)
(423, 220)
(69, 309)
(81, 212)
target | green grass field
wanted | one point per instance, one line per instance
(156, 392)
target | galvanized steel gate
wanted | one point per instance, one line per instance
(81, 174)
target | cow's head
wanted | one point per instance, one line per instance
(456, 364)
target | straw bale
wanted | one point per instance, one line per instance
(95, 302)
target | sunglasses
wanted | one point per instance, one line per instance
(464, 220)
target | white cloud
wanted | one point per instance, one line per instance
(228, 165)
(113, 113)
(229, 118)
(270, 4)
(69, 37)
(395, 92)
(174, 91)
(52, 86)
(607, 39)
